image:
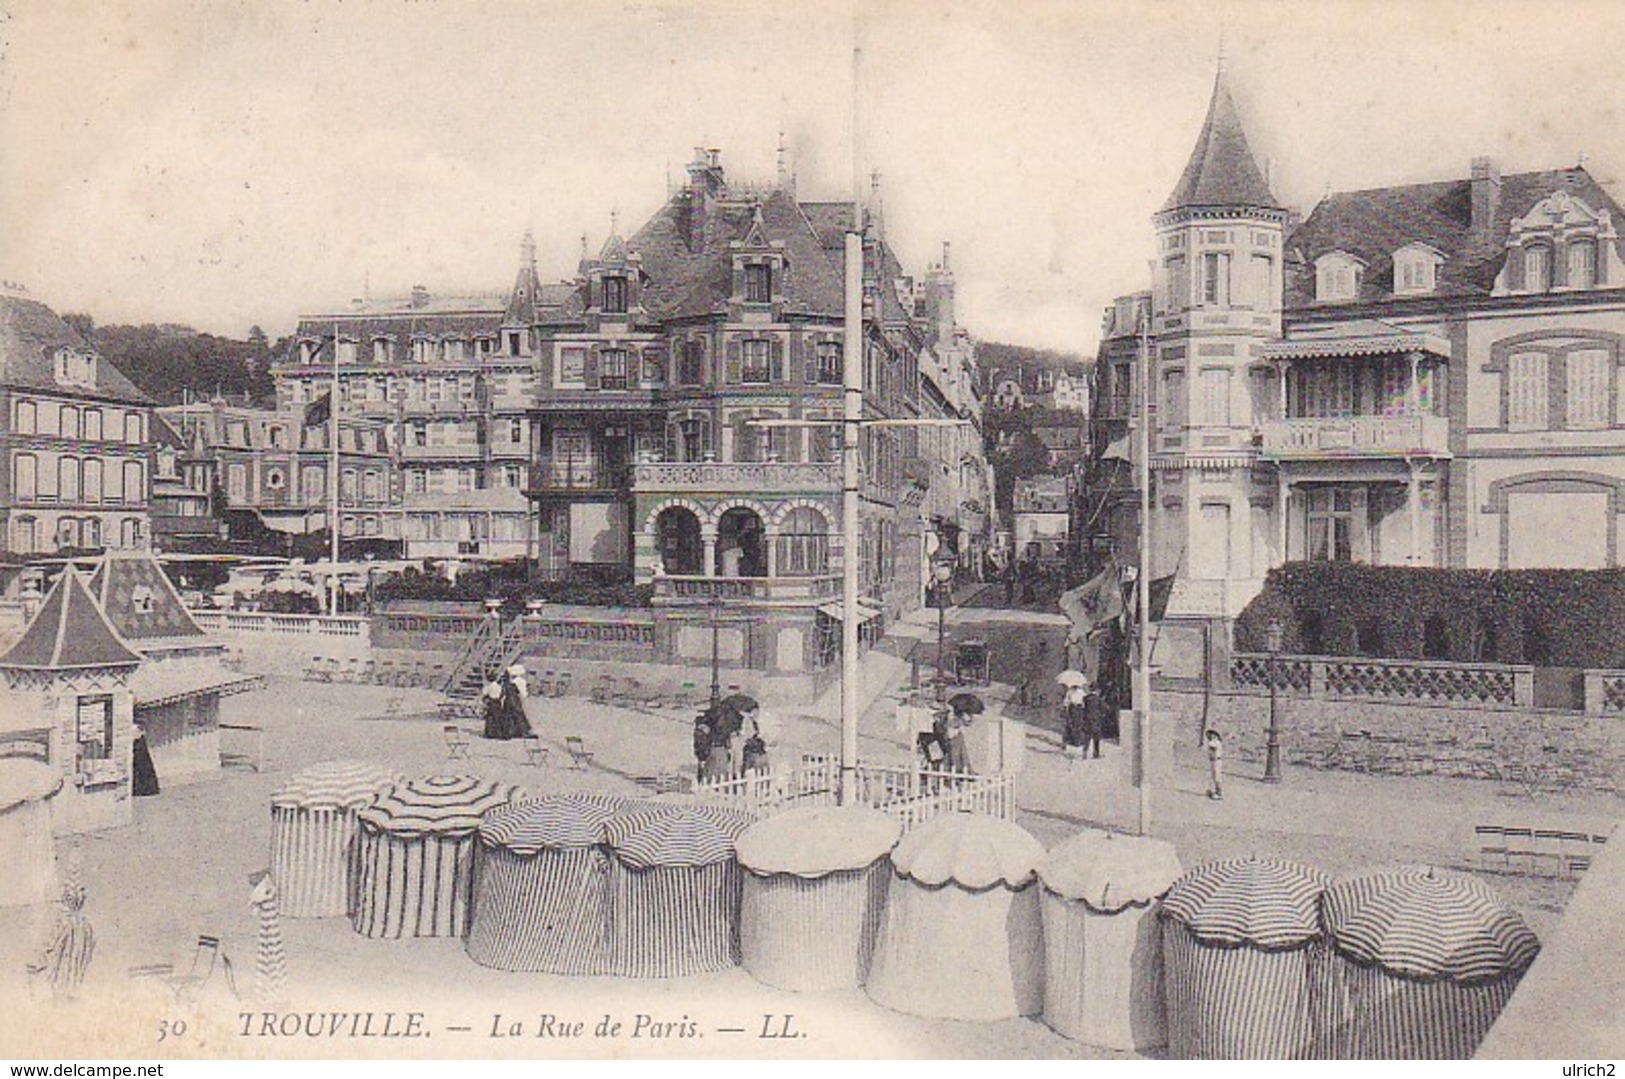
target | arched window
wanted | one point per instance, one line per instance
(67, 533)
(132, 428)
(27, 417)
(135, 484)
(1582, 264)
(93, 480)
(740, 548)
(678, 540)
(67, 479)
(803, 544)
(24, 477)
(90, 533)
(1537, 268)
(70, 422)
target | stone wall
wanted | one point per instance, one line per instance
(1536, 748)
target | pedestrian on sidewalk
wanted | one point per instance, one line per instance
(1094, 720)
(1215, 764)
(1072, 722)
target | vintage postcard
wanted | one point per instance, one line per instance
(695, 529)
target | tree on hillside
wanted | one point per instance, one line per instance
(169, 361)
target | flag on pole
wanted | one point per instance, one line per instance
(320, 410)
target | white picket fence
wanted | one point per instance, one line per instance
(909, 794)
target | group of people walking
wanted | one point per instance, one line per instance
(504, 696)
(729, 740)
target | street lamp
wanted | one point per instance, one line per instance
(941, 573)
(1273, 634)
(716, 668)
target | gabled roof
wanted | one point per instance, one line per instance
(30, 334)
(1372, 225)
(135, 594)
(69, 631)
(1221, 171)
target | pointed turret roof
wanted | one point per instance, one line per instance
(140, 602)
(527, 286)
(1221, 171)
(69, 631)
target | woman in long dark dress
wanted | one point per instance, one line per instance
(491, 697)
(143, 776)
(515, 724)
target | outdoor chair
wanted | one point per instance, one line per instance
(561, 688)
(542, 686)
(628, 694)
(366, 672)
(187, 987)
(535, 751)
(1492, 847)
(457, 741)
(242, 744)
(1548, 853)
(347, 673)
(580, 759)
(383, 673)
(604, 691)
(1520, 849)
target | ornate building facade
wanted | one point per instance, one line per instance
(1423, 375)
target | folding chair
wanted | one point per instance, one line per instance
(604, 691)
(1492, 847)
(366, 672)
(561, 688)
(383, 673)
(188, 986)
(580, 759)
(1520, 849)
(535, 751)
(1548, 852)
(457, 742)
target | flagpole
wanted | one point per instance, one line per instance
(1142, 671)
(333, 480)
(851, 416)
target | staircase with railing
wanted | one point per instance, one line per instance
(493, 645)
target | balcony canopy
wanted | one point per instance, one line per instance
(1366, 337)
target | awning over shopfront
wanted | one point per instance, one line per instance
(162, 683)
(867, 610)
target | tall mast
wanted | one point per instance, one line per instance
(852, 417)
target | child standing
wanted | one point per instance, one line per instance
(1215, 764)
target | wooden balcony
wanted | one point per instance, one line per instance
(1357, 436)
(564, 477)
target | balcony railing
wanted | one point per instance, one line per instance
(1357, 436)
(462, 451)
(776, 476)
(674, 588)
(578, 476)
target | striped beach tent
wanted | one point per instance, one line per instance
(313, 835)
(814, 888)
(673, 889)
(961, 936)
(541, 888)
(26, 789)
(1423, 962)
(416, 856)
(1241, 942)
(1103, 980)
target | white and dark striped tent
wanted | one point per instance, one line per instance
(1241, 944)
(541, 886)
(1423, 962)
(1103, 980)
(26, 789)
(314, 835)
(961, 936)
(416, 856)
(814, 888)
(673, 889)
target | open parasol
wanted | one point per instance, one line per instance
(1262, 902)
(967, 704)
(1071, 679)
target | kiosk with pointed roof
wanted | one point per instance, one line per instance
(70, 704)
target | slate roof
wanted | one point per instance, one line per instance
(30, 334)
(1221, 170)
(114, 586)
(1372, 225)
(69, 631)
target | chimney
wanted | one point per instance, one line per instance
(420, 296)
(1486, 190)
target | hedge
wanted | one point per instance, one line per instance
(1550, 617)
(506, 581)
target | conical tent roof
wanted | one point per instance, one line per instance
(1262, 902)
(815, 841)
(655, 835)
(23, 780)
(551, 823)
(972, 850)
(69, 631)
(448, 806)
(1109, 872)
(1423, 924)
(338, 784)
(1221, 171)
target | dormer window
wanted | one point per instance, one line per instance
(1537, 268)
(75, 368)
(380, 350)
(615, 295)
(1416, 270)
(1337, 277)
(309, 348)
(1582, 264)
(346, 347)
(758, 283)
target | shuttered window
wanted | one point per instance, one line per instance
(1527, 391)
(1588, 388)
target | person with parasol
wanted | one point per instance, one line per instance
(1074, 721)
(962, 709)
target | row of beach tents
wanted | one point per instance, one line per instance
(1106, 937)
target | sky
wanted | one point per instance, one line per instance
(237, 162)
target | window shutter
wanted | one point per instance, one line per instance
(1515, 269)
(775, 360)
(736, 361)
(673, 436)
(738, 281)
(809, 359)
(634, 364)
(592, 367)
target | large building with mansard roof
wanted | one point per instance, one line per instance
(602, 427)
(1426, 374)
